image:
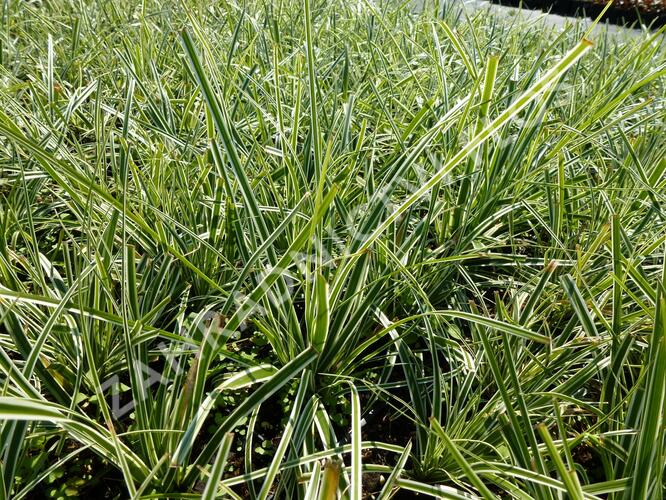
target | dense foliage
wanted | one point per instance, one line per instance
(321, 248)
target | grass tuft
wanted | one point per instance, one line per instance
(328, 249)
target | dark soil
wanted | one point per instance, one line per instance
(623, 12)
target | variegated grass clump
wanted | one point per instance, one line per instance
(321, 249)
